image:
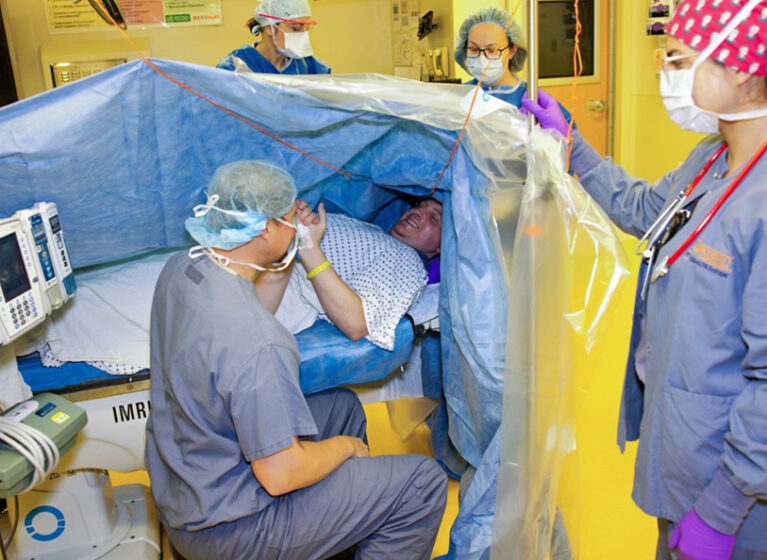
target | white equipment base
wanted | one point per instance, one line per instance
(80, 516)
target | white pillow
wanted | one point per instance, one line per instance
(108, 317)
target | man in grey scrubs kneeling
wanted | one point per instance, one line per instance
(242, 464)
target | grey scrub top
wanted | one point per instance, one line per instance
(701, 415)
(224, 392)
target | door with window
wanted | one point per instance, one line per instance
(556, 41)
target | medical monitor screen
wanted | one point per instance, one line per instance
(55, 224)
(13, 273)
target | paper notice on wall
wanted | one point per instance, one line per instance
(396, 21)
(413, 7)
(405, 14)
(65, 15)
(192, 12)
(403, 48)
(143, 12)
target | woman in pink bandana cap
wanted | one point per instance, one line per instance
(695, 392)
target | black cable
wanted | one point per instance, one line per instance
(6, 543)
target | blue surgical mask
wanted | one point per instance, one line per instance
(495, 69)
(199, 250)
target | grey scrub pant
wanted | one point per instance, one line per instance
(390, 506)
(662, 552)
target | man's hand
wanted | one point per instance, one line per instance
(359, 448)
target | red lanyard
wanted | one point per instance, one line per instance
(714, 209)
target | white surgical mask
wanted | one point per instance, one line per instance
(297, 44)
(495, 69)
(676, 87)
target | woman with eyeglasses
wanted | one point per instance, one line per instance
(489, 41)
(695, 392)
(284, 47)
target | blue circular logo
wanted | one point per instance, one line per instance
(30, 519)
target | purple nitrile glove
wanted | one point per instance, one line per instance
(696, 540)
(547, 111)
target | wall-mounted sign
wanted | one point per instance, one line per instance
(66, 15)
(659, 13)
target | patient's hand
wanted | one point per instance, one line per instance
(315, 223)
(304, 213)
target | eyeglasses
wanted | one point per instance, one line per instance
(294, 27)
(674, 62)
(491, 53)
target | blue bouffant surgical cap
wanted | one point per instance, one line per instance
(500, 18)
(242, 196)
(286, 9)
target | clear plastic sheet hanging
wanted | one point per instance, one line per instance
(127, 153)
(566, 263)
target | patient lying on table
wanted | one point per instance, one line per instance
(357, 276)
(107, 324)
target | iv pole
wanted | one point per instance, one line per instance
(527, 522)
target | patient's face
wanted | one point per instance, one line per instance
(421, 227)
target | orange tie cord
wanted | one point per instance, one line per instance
(577, 72)
(149, 63)
(577, 64)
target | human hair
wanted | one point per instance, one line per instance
(254, 26)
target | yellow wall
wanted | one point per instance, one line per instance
(352, 36)
(648, 143)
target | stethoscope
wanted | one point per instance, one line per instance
(650, 243)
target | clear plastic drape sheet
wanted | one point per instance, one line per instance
(125, 154)
(566, 263)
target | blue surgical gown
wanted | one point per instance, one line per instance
(513, 95)
(257, 63)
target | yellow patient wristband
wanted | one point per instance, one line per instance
(315, 271)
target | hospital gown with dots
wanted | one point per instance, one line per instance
(387, 274)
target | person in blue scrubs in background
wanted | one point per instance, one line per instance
(284, 47)
(482, 42)
(241, 463)
(490, 38)
(695, 390)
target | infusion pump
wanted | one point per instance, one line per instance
(36, 274)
